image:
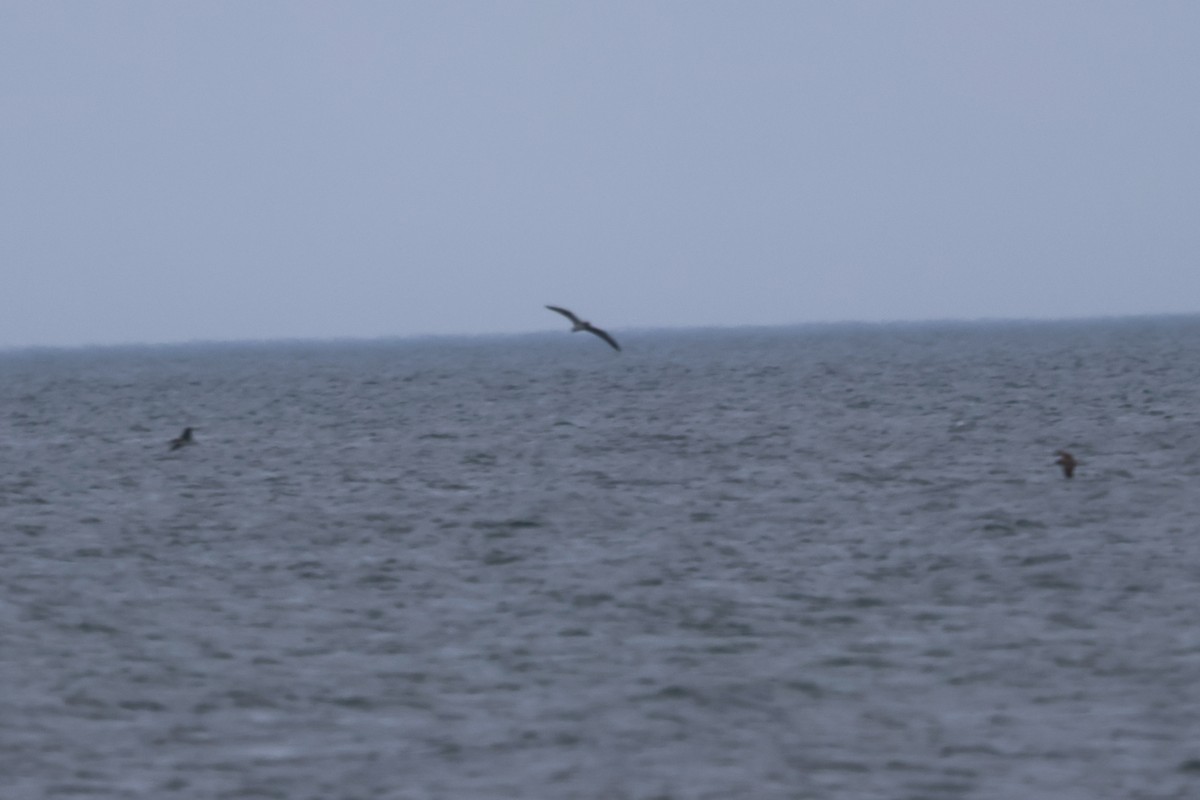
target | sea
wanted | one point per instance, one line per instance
(827, 561)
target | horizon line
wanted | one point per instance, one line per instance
(6, 349)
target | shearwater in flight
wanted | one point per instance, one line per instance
(578, 324)
(184, 438)
(1067, 462)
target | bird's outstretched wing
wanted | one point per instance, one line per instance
(182, 439)
(603, 335)
(574, 319)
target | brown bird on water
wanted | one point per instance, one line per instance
(1067, 462)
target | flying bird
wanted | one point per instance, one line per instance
(1067, 462)
(184, 438)
(578, 324)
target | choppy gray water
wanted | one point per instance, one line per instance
(794, 563)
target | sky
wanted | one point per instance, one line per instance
(221, 171)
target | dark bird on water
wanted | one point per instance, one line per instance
(184, 438)
(578, 324)
(1067, 462)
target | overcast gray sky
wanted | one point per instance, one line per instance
(234, 170)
